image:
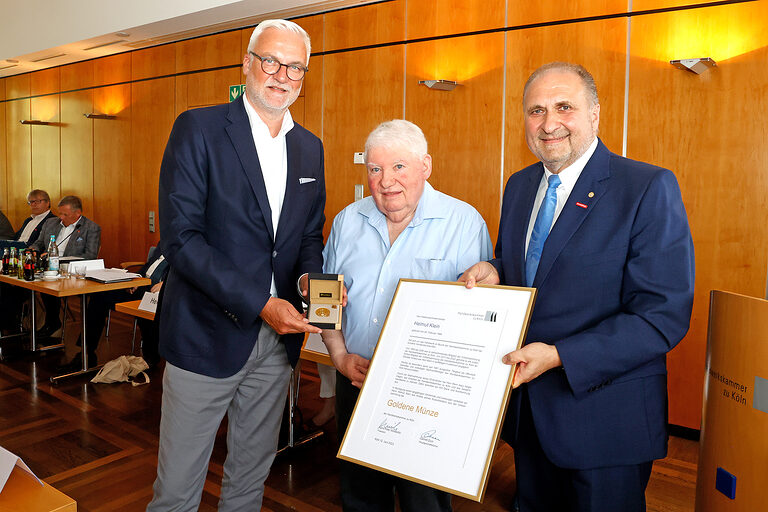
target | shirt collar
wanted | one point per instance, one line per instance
(41, 215)
(71, 226)
(570, 174)
(429, 207)
(260, 128)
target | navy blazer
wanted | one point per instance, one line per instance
(216, 226)
(615, 291)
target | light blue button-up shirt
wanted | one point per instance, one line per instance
(445, 237)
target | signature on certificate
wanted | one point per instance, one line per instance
(429, 435)
(386, 426)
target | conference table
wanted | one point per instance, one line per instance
(68, 287)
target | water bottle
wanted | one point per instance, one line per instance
(53, 254)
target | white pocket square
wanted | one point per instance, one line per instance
(306, 180)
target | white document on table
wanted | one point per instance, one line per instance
(149, 301)
(7, 462)
(433, 400)
(110, 275)
(88, 265)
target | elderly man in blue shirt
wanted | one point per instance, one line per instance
(405, 229)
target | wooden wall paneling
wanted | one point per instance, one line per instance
(210, 87)
(348, 117)
(152, 116)
(245, 37)
(17, 86)
(18, 159)
(112, 190)
(364, 25)
(463, 127)
(429, 18)
(297, 110)
(113, 69)
(3, 154)
(597, 45)
(312, 90)
(181, 103)
(642, 5)
(153, 62)
(521, 12)
(314, 25)
(77, 76)
(313, 96)
(77, 148)
(709, 129)
(46, 140)
(47, 81)
(208, 52)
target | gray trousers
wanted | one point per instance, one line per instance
(192, 409)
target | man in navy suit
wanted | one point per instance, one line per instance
(12, 297)
(615, 288)
(40, 211)
(242, 193)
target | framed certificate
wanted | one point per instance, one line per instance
(436, 391)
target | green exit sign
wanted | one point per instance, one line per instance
(235, 91)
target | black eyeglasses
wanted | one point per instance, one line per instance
(35, 201)
(271, 66)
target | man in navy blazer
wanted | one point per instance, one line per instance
(242, 194)
(614, 294)
(40, 211)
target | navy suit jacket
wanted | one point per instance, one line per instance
(615, 291)
(216, 226)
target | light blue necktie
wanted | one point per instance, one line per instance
(541, 229)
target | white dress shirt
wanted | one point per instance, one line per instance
(273, 160)
(153, 266)
(568, 178)
(31, 225)
(64, 235)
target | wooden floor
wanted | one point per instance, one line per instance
(98, 443)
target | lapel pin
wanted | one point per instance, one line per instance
(581, 205)
(591, 194)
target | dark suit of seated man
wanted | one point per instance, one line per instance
(75, 235)
(11, 297)
(99, 305)
(6, 229)
(40, 211)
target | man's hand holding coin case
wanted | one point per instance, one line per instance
(284, 318)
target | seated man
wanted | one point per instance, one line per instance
(99, 305)
(405, 229)
(6, 229)
(40, 211)
(75, 235)
(11, 297)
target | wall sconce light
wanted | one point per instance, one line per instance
(440, 85)
(99, 116)
(34, 121)
(697, 66)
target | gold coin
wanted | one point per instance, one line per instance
(323, 312)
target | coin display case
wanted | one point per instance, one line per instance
(325, 294)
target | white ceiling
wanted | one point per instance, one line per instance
(38, 34)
